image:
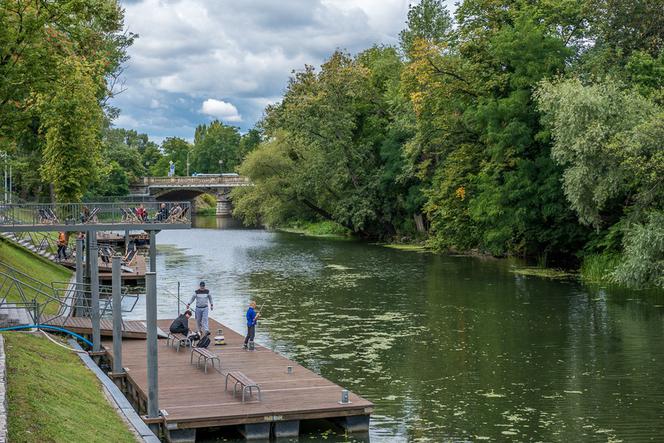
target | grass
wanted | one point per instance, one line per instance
(407, 247)
(544, 272)
(35, 266)
(53, 397)
(597, 268)
(317, 229)
(205, 204)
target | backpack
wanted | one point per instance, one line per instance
(204, 342)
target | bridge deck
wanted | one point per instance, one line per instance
(193, 399)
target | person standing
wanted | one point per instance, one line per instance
(62, 246)
(252, 318)
(202, 297)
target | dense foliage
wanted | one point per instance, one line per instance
(58, 62)
(529, 128)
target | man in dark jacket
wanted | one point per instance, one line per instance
(181, 324)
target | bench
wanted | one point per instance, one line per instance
(178, 340)
(206, 355)
(245, 383)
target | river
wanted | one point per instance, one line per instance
(448, 348)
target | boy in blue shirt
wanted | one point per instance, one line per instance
(252, 318)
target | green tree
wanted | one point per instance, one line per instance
(43, 47)
(174, 149)
(71, 121)
(214, 143)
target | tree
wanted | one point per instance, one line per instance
(608, 139)
(43, 47)
(428, 20)
(71, 121)
(214, 143)
(175, 150)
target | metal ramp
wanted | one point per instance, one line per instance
(55, 303)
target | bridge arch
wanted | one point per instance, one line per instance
(188, 188)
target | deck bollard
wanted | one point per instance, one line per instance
(344, 397)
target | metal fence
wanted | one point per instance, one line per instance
(95, 213)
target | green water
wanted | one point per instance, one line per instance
(448, 348)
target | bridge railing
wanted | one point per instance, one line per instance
(94, 213)
(197, 181)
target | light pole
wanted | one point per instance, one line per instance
(221, 165)
(187, 163)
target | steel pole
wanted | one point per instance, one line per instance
(153, 364)
(78, 296)
(117, 315)
(153, 252)
(94, 291)
(126, 241)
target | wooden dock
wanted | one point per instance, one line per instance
(132, 275)
(191, 399)
(82, 325)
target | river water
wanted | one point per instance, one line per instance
(448, 348)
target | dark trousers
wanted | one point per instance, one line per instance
(62, 252)
(180, 330)
(251, 333)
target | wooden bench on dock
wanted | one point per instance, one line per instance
(245, 383)
(206, 355)
(178, 340)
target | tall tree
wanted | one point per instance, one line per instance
(215, 143)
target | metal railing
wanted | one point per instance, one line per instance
(58, 300)
(77, 214)
(223, 180)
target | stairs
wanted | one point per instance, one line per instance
(26, 243)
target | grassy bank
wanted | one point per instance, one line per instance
(52, 397)
(598, 268)
(35, 266)
(205, 204)
(317, 229)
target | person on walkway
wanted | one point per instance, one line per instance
(162, 214)
(62, 246)
(252, 318)
(202, 297)
(181, 324)
(141, 213)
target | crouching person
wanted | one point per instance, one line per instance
(181, 324)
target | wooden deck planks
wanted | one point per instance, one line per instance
(81, 325)
(195, 399)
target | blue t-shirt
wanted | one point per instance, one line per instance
(251, 317)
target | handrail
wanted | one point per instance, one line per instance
(93, 213)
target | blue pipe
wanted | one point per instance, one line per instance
(54, 328)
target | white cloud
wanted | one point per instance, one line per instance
(220, 109)
(242, 51)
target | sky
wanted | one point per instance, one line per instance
(200, 60)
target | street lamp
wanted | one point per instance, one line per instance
(7, 184)
(221, 165)
(187, 163)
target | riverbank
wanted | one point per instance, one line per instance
(327, 229)
(58, 402)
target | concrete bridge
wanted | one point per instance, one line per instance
(187, 188)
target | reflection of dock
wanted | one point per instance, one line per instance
(192, 399)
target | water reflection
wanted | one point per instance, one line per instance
(449, 348)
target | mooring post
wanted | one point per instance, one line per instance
(153, 251)
(78, 295)
(117, 315)
(94, 291)
(153, 364)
